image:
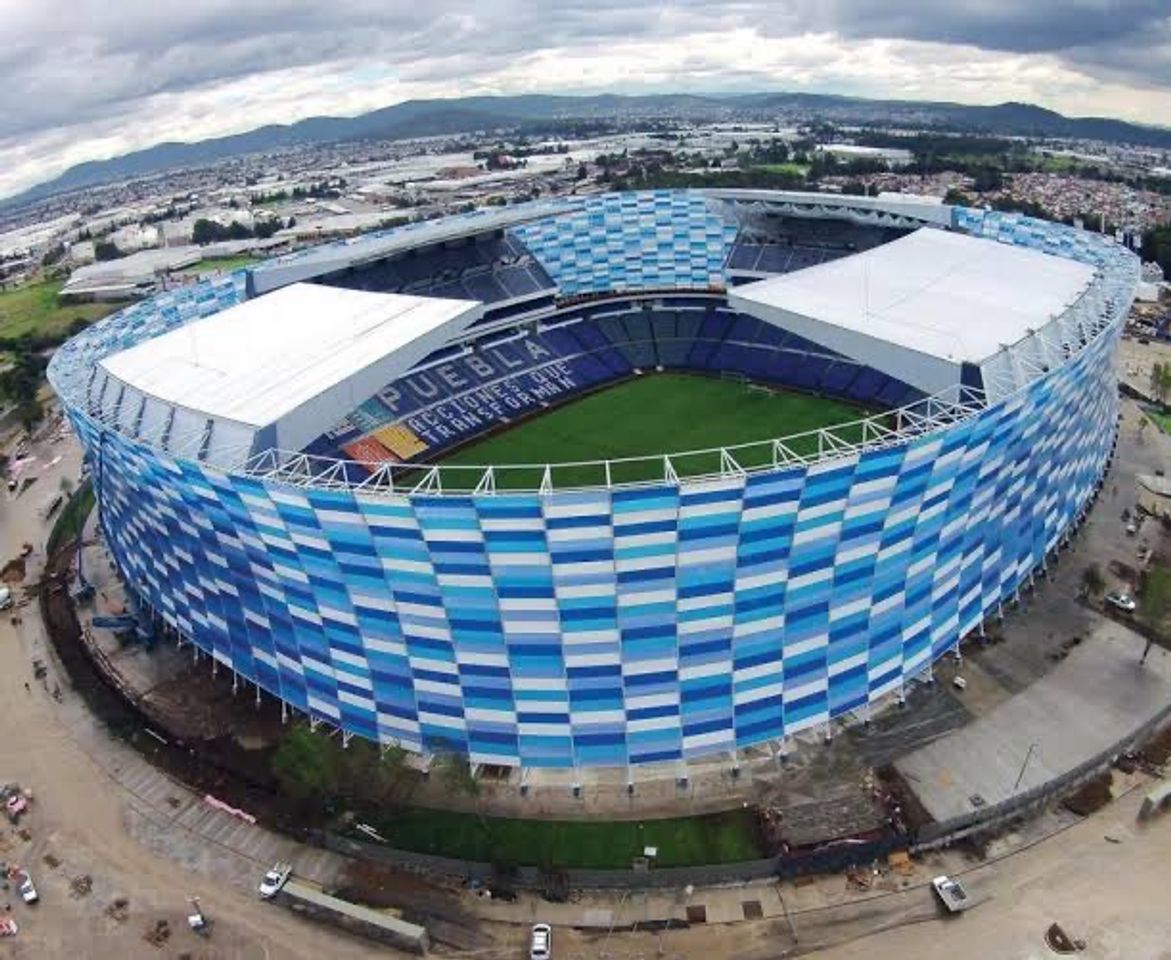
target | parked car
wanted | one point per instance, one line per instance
(272, 882)
(8, 927)
(952, 893)
(1122, 601)
(28, 891)
(541, 942)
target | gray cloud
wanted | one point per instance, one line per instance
(1126, 40)
(80, 67)
(1009, 25)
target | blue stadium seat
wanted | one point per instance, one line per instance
(453, 398)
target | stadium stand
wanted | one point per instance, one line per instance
(774, 258)
(491, 270)
(774, 245)
(661, 239)
(452, 398)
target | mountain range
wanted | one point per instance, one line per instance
(421, 118)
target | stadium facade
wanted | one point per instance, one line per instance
(611, 613)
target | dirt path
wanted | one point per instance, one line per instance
(78, 822)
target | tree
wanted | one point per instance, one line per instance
(314, 767)
(21, 382)
(1164, 383)
(374, 777)
(1092, 581)
(1154, 608)
(266, 228)
(306, 765)
(1160, 381)
(209, 231)
(582, 172)
(1156, 247)
(456, 773)
(986, 179)
(30, 411)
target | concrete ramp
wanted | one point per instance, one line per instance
(1094, 698)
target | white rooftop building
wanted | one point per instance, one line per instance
(274, 372)
(923, 306)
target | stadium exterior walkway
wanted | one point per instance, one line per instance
(1096, 697)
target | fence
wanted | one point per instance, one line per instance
(833, 857)
(948, 831)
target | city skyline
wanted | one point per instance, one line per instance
(82, 85)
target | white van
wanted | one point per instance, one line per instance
(541, 942)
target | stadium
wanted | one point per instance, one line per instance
(610, 480)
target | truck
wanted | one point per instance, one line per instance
(274, 879)
(308, 899)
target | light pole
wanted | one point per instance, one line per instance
(1020, 776)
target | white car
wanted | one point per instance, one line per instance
(952, 893)
(1122, 601)
(28, 892)
(275, 879)
(541, 942)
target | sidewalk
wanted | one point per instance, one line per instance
(1094, 698)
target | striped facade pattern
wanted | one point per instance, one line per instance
(607, 627)
(612, 627)
(651, 239)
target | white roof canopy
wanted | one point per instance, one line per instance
(921, 306)
(273, 372)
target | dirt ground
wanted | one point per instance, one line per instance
(77, 828)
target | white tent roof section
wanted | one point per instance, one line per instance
(273, 372)
(355, 251)
(921, 306)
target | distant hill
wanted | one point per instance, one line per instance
(421, 118)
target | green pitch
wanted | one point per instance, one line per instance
(596, 844)
(651, 415)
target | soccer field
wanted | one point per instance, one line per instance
(647, 416)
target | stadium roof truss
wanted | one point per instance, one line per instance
(846, 439)
(1092, 301)
(271, 373)
(873, 211)
(933, 307)
(354, 252)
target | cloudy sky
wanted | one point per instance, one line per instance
(89, 79)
